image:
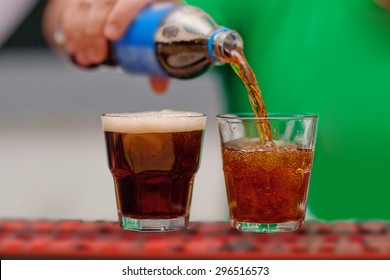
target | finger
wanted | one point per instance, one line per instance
(159, 85)
(97, 45)
(98, 15)
(96, 50)
(73, 21)
(120, 17)
(88, 49)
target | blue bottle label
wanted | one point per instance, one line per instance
(135, 52)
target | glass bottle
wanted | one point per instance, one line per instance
(169, 40)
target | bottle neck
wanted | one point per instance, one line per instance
(222, 43)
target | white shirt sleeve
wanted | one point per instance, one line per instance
(12, 12)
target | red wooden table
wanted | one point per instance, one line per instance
(22, 239)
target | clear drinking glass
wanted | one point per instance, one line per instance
(153, 157)
(267, 181)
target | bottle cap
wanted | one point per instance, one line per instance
(211, 40)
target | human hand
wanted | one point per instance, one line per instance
(88, 26)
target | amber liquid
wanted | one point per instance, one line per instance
(154, 172)
(266, 182)
(237, 61)
(266, 186)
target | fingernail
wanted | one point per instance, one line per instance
(111, 31)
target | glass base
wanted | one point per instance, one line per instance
(266, 228)
(153, 225)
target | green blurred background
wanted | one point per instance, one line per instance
(332, 58)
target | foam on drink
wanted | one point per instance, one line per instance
(153, 122)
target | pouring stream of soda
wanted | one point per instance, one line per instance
(244, 71)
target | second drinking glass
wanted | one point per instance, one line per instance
(267, 180)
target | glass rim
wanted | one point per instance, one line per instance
(271, 116)
(141, 114)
